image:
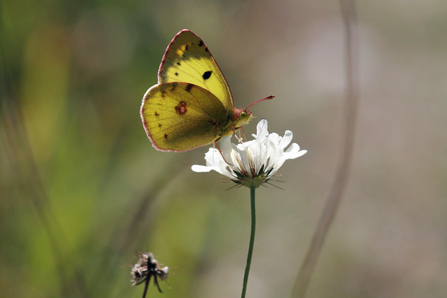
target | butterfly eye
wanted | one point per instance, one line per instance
(245, 117)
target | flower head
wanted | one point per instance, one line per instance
(145, 268)
(253, 162)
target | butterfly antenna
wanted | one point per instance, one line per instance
(259, 100)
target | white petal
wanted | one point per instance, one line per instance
(201, 169)
(261, 130)
(225, 147)
(288, 135)
(226, 172)
(212, 157)
(294, 152)
(242, 158)
(274, 138)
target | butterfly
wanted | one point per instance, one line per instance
(192, 105)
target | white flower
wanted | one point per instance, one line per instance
(254, 162)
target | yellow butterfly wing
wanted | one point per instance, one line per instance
(187, 59)
(192, 105)
(181, 116)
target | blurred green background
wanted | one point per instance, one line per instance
(82, 190)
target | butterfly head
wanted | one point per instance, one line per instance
(241, 117)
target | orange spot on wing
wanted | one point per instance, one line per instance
(181, 109)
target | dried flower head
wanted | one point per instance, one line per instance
(145, 268)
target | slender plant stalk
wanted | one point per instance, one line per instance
(252, 241)
(146, 285)
(352, 97)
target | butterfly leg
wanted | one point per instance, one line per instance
(238, 138)
(243, 132)
(218, 148)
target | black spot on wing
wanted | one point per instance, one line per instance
(166, 136)
(207, 74)
(200, 44)
(156, 114)
(178, 63)
(189, 87)
(176, 73)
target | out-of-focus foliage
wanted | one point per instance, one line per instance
(82, 190)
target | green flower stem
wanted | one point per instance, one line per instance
(252, 241)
